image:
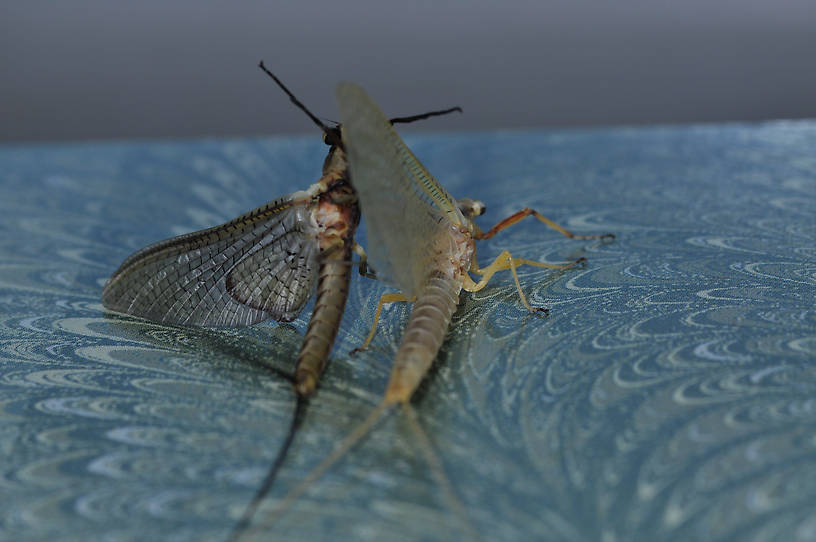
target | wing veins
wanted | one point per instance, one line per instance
(163, 281)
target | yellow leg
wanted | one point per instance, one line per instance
(386, 298)
(506, 261)
(516, 217)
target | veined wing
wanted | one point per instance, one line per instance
(260, 265)
(403, 205)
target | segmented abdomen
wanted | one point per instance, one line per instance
(332, 292)
(423, 336)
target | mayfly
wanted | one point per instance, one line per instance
(263, 264)
(422, 241)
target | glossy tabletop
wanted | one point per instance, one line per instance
(670, 394)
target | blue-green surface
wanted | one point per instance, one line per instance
(669, 395)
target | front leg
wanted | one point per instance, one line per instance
(517, 217)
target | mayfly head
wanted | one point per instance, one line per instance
(332, 137)
(471, 208)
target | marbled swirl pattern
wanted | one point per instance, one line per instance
(669, 395)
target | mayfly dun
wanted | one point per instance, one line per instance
(262, 265)
(422, 241)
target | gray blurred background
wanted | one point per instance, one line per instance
(158, 69)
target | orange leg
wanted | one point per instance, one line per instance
(516, 217)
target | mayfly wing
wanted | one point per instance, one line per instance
(260, 265)
(403, 204)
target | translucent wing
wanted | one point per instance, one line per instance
(260, 265)
(403, 205)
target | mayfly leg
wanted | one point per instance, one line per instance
(520, 215)
(384, 299)
(506, 261)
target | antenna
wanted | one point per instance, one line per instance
(423, 116)
(293, 99)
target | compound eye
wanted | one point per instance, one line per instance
(470, 207)
(332, 136)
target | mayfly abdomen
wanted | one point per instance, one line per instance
(336, 216)
(423, 336)
(332, 292)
